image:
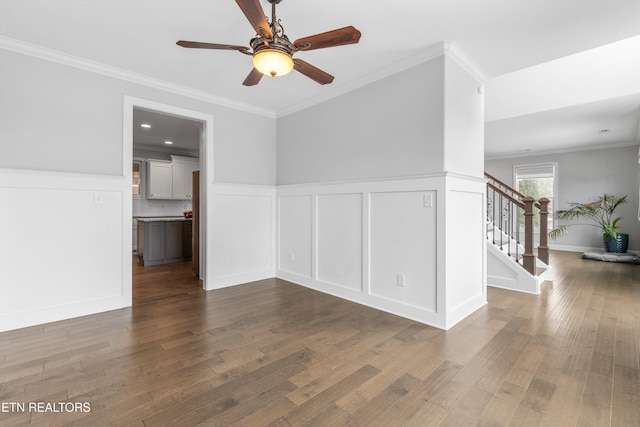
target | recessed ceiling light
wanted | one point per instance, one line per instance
(145, 125)
(168, 142)
(604, 130)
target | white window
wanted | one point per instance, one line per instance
(538, 181)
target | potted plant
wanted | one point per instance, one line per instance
(600, 213)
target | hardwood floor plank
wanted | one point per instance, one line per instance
(525, 366)
(370, 411)
(312, 407)
(596, 400)
(158, 403)
(409, 404)
(251, 402)
(331, 416)
(429, 414)
(392, 364)
(502, 406)
(471, 374)
(230, 394)
(564, 407)
(538, 395)
(327, 372)
(625, 409)
(267, 414)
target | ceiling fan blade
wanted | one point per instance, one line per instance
(339, 37)
(254, 13)
(200, 45)
(253, 78)
(314, 73)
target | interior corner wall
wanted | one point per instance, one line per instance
(582, 177)
(389, 128)
(62, 177)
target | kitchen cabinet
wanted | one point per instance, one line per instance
(159, 179)
(182, 182)
(171, 180)
(173, 241)
(163, 240)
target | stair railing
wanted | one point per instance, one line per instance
(504, 207)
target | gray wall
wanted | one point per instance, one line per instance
(583, 176)
(59, 118)
(392, 127)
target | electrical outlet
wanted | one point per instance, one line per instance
(400, 280)
(427, 201)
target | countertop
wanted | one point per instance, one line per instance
(161, 218)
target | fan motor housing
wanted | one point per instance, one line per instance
(281, 44)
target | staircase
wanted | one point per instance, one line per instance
(512, 261)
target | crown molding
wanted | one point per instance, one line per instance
(40, 52)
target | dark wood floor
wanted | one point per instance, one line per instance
(272, 353)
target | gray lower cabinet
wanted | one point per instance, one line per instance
(173, 237)
(163, 242)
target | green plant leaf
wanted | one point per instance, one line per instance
(599, 212)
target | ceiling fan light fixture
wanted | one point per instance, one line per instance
(272, 62)
(272, 50)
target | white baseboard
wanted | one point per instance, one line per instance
(63, 312)
(239, 279)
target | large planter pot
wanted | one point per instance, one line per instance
(618, 245)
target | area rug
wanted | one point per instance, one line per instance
(612, 257)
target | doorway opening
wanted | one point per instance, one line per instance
(164, 145)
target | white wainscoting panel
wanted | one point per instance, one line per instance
(403, 248)
(241, 234)
(339, 236)
(395, 232)
(62, 246)
(295, 218)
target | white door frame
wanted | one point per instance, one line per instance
(206, 170)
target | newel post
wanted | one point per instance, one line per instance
(528, 258)
(543, 249)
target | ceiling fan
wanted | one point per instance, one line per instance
(271, 49)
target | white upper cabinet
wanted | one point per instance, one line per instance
(183, 168)
(159, 179)
(180, 182)
(171, 180)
